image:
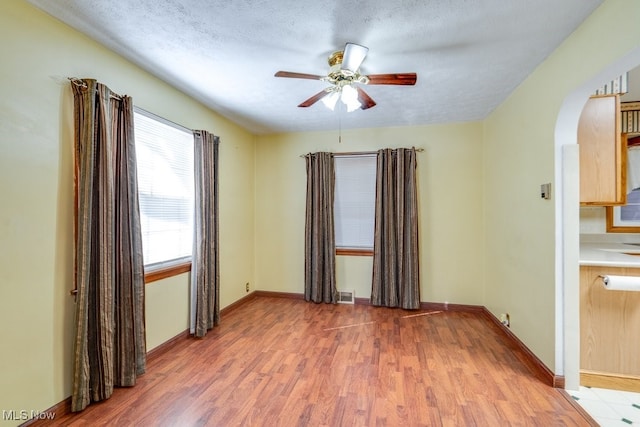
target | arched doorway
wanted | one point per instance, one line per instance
(567, 219)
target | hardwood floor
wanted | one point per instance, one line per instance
(286, 362)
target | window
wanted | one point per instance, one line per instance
(626, 218)
(354, 205)
(165, 193)
(631, 211)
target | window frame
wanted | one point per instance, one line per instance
(356, 251)
(158, 271)
(614, 221)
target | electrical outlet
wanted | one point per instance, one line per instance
(505, 319)
(247, 287)
(545, 191)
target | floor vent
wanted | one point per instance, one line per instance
(346, 297)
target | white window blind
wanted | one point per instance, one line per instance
(165, 189)
(355, 198)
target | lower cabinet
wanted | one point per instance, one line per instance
(609, 331)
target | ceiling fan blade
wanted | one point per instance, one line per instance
(393, 79)
(315, 98)
(353, 56)
(297, 75)
(365, 99)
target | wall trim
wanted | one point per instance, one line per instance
(165, 347)
(610, 380)
(239, 303)
(59, 409)
(531, 360)
(445, 306)
(271, 294)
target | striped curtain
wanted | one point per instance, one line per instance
(110, 343)
(205, 269)
(320, 246)
(396, 280)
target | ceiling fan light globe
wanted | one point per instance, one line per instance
(350, 98)
(330, 100)
(349, 93)
(353, 106)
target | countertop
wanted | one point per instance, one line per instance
(609, 254)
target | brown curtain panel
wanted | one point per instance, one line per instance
(110, 343)
(205, 269)
(320, 246)
(395, 249)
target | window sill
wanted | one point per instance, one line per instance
(164, 272)
(354, 252)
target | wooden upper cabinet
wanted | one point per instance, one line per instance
(602, 155)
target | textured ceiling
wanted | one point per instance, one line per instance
(469, 54)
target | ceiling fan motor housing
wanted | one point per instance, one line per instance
(341, 76)
(336, 58)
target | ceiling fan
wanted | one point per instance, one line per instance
(345, 79)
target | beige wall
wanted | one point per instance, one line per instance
(486, 236)
(520, 149)
(450, 188)
(36, 211)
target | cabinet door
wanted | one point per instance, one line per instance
(602, 156)
(609, 325)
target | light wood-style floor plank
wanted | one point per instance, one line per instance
(285, 362)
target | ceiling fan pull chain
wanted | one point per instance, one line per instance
(339, 125)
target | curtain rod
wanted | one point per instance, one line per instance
(360, 153)
(161, 119)
(80, 83)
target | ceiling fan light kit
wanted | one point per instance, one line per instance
(347, 94)
(344, 79)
